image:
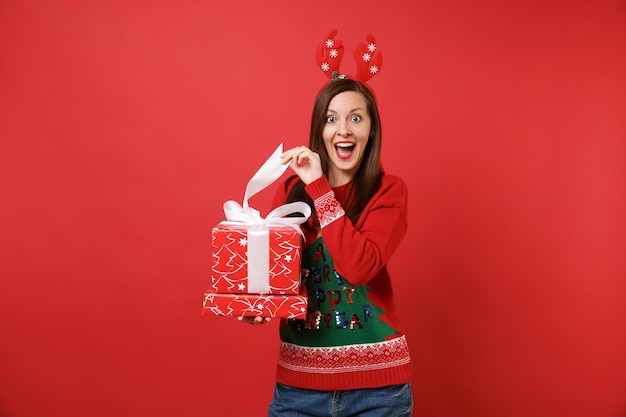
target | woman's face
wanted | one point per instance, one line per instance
(346, 132)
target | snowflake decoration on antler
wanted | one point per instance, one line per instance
(330, 52)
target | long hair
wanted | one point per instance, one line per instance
(367, 179)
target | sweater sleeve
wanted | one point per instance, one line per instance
(361, 250)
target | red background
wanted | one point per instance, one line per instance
(125, 125)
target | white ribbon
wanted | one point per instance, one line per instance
(258, 232)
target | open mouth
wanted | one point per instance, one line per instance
(344, 150)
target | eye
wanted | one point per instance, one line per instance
(355, 118)
(330, 119)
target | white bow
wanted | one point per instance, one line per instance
(258, 232)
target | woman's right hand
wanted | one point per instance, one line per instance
(253, 320)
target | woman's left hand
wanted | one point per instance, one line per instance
(304, 162)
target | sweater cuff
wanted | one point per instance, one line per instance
(327, 207)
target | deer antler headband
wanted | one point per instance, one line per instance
(368, 58)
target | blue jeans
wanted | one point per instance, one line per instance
(391, 401)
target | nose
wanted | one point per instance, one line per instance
(344, 129)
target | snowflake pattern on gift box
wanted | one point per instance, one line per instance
(253, 305)
(230, 264)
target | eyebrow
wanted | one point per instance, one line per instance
(351, 111)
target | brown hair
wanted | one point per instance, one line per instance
(368, 177)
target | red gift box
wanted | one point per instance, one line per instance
(257, 260)
(252, 305)
(230, 260)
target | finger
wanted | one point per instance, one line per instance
(299, 160)
(288, 154)
(285, 159)
(251, 320)
(297, 156)
(288, 159)
(303, 160)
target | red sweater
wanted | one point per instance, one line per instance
(352, 337)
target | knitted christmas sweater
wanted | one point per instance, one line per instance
(352, 337)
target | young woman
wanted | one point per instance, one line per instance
(349, 357)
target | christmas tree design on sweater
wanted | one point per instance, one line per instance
(339, 314)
